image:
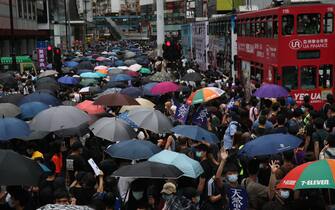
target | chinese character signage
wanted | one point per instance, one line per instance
(182, 112)
(42, 57)
(238, 199)
(200, 117)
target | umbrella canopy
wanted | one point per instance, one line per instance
(270, 144)
(34, 135)
(112, 129)
(99, 59)
(271, 91)
(145, 71)
(130, 62)
(133, 150)
(129, 54)
(204, 94)
(150, 170)
(310, 175)
(31, 109)
(103, 72)
(135, 67)
(59, 118)
(11, 128)
(147, 88)
(9, 110)
(90, 90)
(150, 119)
(115, 99)
(90, 108)
(124, 117)
(192, 77)
(90, 75)
(53, 87)
(110, 90)
(132, 92)
(100, 68)
(71, 64)
(67, 80)
(13, 99)
(83, 71)
(85, 65)
(162, 77)
(64, 207)
(190, 168)
(88, 82)
(115, 71)
(143, 103)
(164, 87)
(8, 80)
(196, 133)
(119, 63)
(47, 73)
(132, 73)
(45, 98)
(16, 169)
(121, 77)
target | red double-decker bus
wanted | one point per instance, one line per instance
(292, 45)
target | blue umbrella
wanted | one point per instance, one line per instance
(31, 109)
(67, 80)
(196, 133)
(119, 63)
(92, 75)
(71, 64)
(41, 97)
(121, 77)
(134, 92)
(270, 144)
(147, 88)
(124, 116)
(271, 91)
(133, 150)
(11, 128)
(190, 168)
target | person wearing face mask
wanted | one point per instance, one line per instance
(280, 201)
(172, 201)
(137, 194)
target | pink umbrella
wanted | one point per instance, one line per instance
(164, 87)
(132, 73)
(90, 108)
(101, 59)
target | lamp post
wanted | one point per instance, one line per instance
(12, 51)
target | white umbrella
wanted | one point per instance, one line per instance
(135, 67)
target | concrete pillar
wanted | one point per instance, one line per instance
(160, 26)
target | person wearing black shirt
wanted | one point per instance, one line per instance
(280, 128)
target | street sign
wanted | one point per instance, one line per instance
(42, 57)
(42, 44)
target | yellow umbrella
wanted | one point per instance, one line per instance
(143, 103)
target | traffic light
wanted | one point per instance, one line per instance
(49, 54)
(171, 50)
(57, 59)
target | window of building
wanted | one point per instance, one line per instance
(308, 77)
(308, 23)
(24, 2)
(30, 12)
(275, 26)
(326, 76)
(287, 24)
(290, 77)
(269, 27)
(19, 8)
(328, 23)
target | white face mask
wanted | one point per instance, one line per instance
(284, 194)
(232, 178)
(10, 201)
(138, 195)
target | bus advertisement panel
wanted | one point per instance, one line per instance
(200, 44)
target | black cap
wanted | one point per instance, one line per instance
(190, 192)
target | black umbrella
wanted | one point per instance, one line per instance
(16, 169)
(150, 170)
(13, 99)
(195, 76)
(8, 80)
(45, 86)
(85, 65)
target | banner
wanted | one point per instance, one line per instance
(200, 117)
(238, 199)
(182, 112)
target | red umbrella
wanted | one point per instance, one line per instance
(116, 99)
(90, 108)
(132, 73)
(164, 87)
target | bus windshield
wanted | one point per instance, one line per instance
(309, 23)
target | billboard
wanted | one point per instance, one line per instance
(227, 5)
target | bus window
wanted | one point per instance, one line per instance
(247, 30)
(243, 25)
(252, 27)
(326, 76)
(269, 27)
(263, 26)
(275, 26)
(308, 23)
(307, 77)
(287, 24)
(328, 23)
(258, 27)
(290, 77)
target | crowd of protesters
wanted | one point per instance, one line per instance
(232, 118)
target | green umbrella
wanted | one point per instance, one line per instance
(88, 82)
(145, 70)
